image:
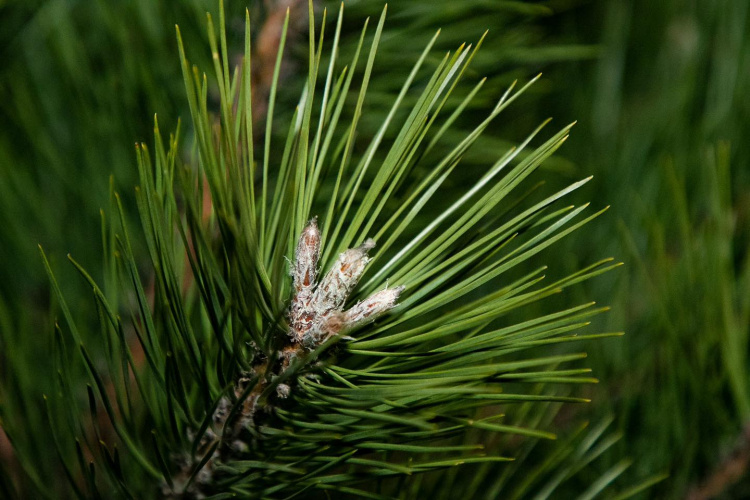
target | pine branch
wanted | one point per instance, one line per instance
(261, 385)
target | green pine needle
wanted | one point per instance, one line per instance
(420, 391)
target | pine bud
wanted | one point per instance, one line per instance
(372, 307)
(304, 275)
(316, 312)
(306, 258)
(339, 282)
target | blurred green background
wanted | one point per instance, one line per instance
(660, 90)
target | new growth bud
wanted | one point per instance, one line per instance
(304, 276)
(339, 282)
(305, 270)
(316, 312)
(372, 307)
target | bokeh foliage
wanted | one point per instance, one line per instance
(667, 130)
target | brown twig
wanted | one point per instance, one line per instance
(733, 468)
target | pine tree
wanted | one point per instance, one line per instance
(317, 317)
